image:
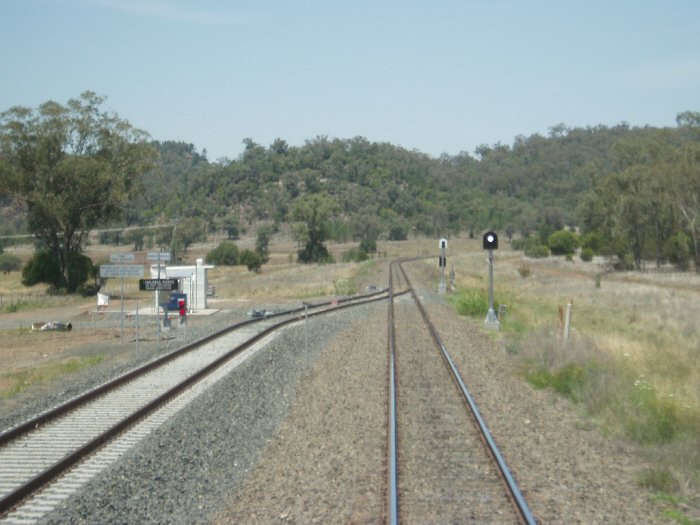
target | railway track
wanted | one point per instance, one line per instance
(77, 439)
(444, 466)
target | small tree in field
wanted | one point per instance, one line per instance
(251, 260)
(563, 242)
(313, 212)
(226, 254)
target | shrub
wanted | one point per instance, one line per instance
(471, 302)
(537, 251)
(41, 268)
(368, 245)
(44, 268)
(252, 260)
(9, 262)
(398, 232)
(315, 253)
(563, 242)
(587, 254)
(677, 251)
(524, 270)
(262, 241)
(517, 244)
(344, 287)
(226, 254)
(355, 255)
(593, 241)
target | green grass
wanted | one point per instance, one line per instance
(474, 302)
(608, 385)
(674, 512)
(470, 302)
(17, 306)
(568, 381)
(24, 379)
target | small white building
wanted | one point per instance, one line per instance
(193, 282)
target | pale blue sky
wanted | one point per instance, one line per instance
(435, 75)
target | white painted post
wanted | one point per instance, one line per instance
(567, 319)
(306, 332)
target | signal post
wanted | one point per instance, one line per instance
(443, 264)
(491, 244)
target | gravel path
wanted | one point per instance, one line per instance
(277, 442)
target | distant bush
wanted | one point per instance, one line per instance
(355, 255)
(563, 242)
(398, 232)
(677, 251)
(252, 260)
(42, 268)
(226, 254)
(9, 262)
(518, 244)
(368, 246)
(538, 251)
(524, 270)
(586, 254)
(593, 241)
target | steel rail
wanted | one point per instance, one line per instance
(520, 504)
(393, 498)
(65, 407)
(31, 485)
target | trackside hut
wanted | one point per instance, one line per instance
(194, 282)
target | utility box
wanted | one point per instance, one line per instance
(173, 303)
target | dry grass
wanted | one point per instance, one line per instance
(634, 356)
(635, 337)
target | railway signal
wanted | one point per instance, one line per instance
(443, 264)
(490, 243)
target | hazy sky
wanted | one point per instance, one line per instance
(436, 76)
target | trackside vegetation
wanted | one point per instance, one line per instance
(650, 403)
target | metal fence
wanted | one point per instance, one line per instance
(8, 300)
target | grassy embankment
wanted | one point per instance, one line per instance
(17, 381)
(632, 360)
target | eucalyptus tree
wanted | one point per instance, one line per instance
(72, 166)
(313, 213)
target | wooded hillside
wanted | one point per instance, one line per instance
(634, 189)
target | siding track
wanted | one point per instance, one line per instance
(36, 452)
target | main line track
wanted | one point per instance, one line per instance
(36, 452)
(443, 463)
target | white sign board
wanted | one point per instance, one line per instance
(122, 270)
(158, 256)
(121, 257)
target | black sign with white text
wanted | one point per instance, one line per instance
(162, 285)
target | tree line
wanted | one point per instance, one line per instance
(632, 193)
